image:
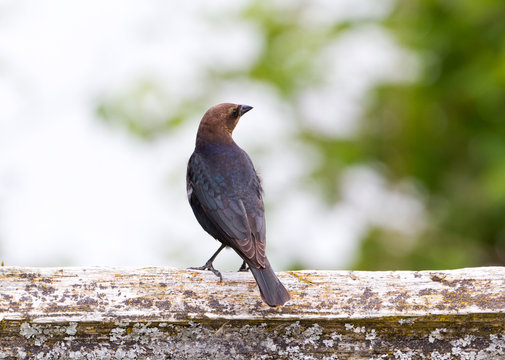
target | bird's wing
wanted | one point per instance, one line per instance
(226, 213)
(256, 215)
(258, 230)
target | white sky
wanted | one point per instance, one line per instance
(74, 191)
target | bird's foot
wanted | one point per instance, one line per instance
(208, 266)
(243, 267)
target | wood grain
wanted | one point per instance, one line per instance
(160, 312)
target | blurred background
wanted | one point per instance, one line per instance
(378, 129)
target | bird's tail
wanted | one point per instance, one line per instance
(271, 289)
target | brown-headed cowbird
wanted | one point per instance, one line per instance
(225, 194)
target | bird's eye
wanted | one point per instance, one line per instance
(235, 112)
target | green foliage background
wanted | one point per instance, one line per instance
(443, 133)
(446, 131)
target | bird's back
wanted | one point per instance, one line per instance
(225, 194)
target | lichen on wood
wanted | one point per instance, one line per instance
(158, 312)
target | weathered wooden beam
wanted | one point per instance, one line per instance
(164, 313)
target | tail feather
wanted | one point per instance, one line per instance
(271, 289)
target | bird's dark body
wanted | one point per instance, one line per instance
(225, 194)
(219, 173)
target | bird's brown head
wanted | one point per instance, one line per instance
(219, 121)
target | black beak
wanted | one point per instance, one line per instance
(244, 109)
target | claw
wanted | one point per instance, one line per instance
(208, 266)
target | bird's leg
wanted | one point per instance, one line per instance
(243, 267)
(208, 265)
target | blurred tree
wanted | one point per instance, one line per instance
(146, 109)
(286, 62)
(446, 132)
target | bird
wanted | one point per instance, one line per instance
(225, 194)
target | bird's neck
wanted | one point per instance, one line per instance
(214, 147)
(213, 136)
